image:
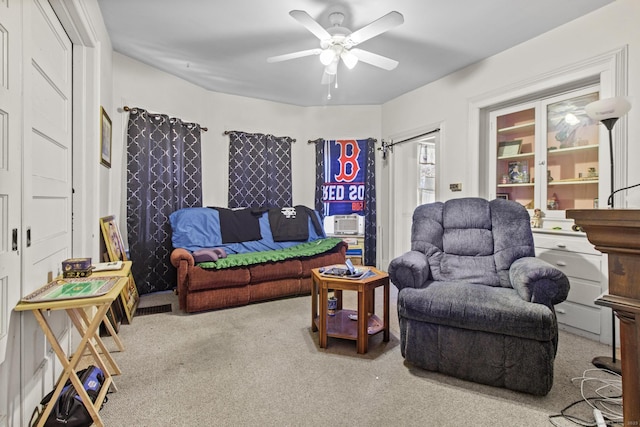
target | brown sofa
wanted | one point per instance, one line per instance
(202, 289)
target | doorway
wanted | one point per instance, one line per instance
(413, 181)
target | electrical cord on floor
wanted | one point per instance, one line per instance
(608, 399)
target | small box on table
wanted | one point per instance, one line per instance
(76, 267)
(76, 264)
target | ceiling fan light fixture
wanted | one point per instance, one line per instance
(327, 56)
(332, 68)
(349, 59)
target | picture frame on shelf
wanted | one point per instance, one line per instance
(509, 148)
(518, 172)
(504, 196)
(112, 240)
(105, 138)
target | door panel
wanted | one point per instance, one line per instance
(47, 185)
(405, 167)
(10, 173)
(47, 174)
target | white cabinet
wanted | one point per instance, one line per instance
(584, 267)
(548, 156)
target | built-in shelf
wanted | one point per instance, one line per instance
(523, 126)
(571, 150)
(516, 156)
(519, 184)
(574, 182)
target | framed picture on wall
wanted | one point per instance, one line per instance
(105, 138)
(112, 240)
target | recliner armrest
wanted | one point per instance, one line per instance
(538, 281)
(409, 270)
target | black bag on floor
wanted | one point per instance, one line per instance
(69, 410)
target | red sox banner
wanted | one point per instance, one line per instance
(345, 162)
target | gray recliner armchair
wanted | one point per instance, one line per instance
(473, 300)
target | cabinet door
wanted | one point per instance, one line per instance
(571, 171)
(548, 154)
(515, 143)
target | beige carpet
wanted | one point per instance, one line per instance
(260, 365)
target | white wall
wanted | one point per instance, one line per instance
(447, 100)
(137, 84)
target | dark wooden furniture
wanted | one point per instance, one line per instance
(340, 325)
(616, 232)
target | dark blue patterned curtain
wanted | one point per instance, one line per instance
(370, 221)
(163, 175)
(259, 170)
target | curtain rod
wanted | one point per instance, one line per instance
(409, 139)
(127, 108)
(227, 132)
(322, 139)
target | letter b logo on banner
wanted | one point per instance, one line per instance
(349, 166)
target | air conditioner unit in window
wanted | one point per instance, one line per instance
(344, 225)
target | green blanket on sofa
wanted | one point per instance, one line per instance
(306, 249)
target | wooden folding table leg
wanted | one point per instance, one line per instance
(99, 340)
(62, 357)
(78, 316)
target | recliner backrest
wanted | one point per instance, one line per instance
(472, 239)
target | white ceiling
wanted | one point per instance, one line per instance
(222, 45)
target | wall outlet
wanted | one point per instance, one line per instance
(455, 187)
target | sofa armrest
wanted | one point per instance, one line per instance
(538, 281)
(409, 270)
(181, 254)
(182, 260)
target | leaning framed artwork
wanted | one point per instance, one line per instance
(112, 240)
(509, 148)
(105, 138)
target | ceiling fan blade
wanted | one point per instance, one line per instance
(379, 26)
(294, 55)
(375, 59)
(310, 24)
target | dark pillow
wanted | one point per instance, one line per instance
(205, 255)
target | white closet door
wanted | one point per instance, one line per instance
(47, 146)
(10, 178)
(47, 185)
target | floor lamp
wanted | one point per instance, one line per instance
(608, 111)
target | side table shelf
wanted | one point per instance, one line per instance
(341, 326)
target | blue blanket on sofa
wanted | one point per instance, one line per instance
(199, 228)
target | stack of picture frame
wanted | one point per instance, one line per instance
(112, 249)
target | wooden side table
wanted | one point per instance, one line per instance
(88, 327)
(340, 325)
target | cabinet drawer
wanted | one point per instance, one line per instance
(582, 266)
(564, 243)
(584, 292)
(579, 316)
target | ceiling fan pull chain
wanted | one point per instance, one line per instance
(329, 90)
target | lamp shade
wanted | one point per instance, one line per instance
(610, 108)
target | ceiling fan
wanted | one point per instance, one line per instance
(338, 42)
